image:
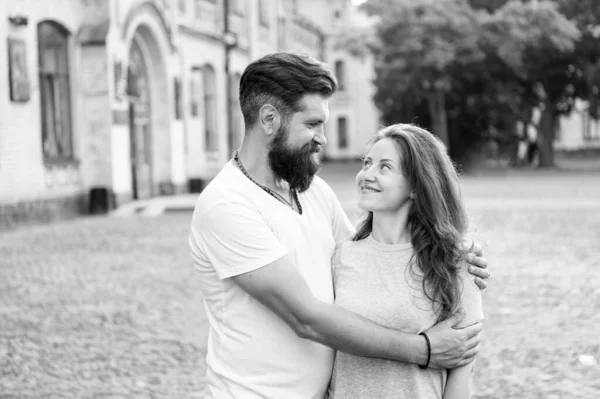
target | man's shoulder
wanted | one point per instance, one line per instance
(224, 189)
(226, 181)
(321, 188)
(320, 183)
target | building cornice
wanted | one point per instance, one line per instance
(307, 24)
(202, 34)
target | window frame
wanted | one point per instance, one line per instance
(56, 102)
(211, 128)
(343, 144)
(340, 74)
(263, 13)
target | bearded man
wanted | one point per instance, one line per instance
(262, 237)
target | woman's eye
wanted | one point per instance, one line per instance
(385, 167)
(366, 164)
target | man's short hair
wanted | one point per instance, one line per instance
(282, 79)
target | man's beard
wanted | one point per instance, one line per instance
(297, 167)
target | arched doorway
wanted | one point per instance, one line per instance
(139, 123)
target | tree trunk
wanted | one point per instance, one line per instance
(545, 138)
(439, 119)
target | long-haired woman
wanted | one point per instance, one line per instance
(405, 267)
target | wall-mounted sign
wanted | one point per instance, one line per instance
(17, 71)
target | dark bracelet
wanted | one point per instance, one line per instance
(428, 351)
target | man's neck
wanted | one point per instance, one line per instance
(256, 162)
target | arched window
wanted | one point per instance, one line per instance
(340, 74)
(210, 109)
(55, 96)
(342, 132)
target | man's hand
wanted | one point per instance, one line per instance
(477, 264)
(452, 348)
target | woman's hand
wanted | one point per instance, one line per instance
(451, 347)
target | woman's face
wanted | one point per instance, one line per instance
(382, 186)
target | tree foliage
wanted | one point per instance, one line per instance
(483, 65)
(418, 42)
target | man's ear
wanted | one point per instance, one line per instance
(269, 118)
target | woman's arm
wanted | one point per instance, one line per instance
(459, 383)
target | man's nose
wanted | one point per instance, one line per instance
(320, 137)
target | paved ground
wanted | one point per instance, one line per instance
(109, 307)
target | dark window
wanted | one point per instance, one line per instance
(197, 9)
(177, 97)
(263, 12)
(281, 34)
(237, 7)
(55, 96)
(340, 74)
(195, 91)
(342, 133)
(210, 110)
(591, 130)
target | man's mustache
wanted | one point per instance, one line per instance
(312, 147)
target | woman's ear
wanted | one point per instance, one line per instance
(412, 195)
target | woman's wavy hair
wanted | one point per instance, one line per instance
(437, 219)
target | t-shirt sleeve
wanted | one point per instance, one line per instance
(470, 298)
(236, 239)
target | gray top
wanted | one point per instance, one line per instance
(375, 281)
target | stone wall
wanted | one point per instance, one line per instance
(41, 210)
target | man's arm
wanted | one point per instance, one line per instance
(281, 288)
(477, 264)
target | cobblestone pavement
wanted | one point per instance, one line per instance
(100, 308)
(109, 307)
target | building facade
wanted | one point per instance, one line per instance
(578, 131)
(131, 99)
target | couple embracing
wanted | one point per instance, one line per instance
(302, 304)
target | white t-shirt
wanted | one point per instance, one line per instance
(237, 227)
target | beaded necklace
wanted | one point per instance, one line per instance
(275, 195)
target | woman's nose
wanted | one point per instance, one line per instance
(369, 174)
